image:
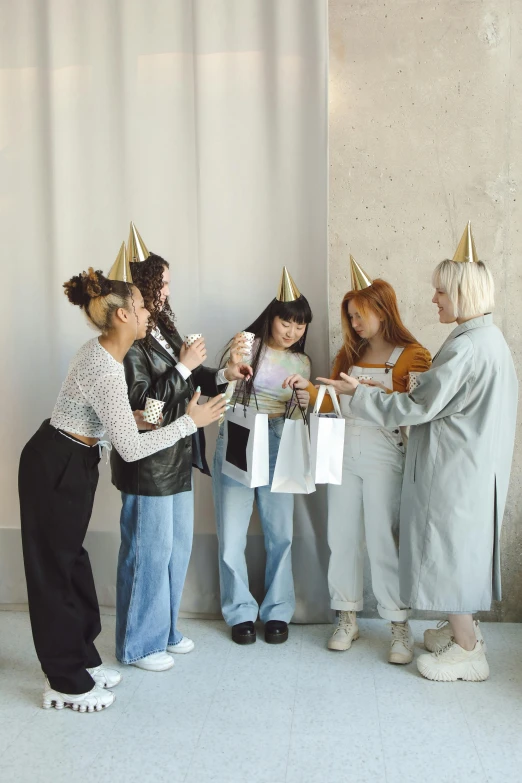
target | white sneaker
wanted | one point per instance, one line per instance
(401, 650)
(346, 632)
(105, 677)
(186, 645)
(437, 638)
(95, 700)
(454, 663)
(157, 662)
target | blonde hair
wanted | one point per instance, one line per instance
(98, 297)
(101, 309)
(469, 286)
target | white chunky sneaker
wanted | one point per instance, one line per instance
(346, 632)
(156, 662)
(105, 677)
(186, 645)
(401, 650)
(95, 700)
(454, 663)
(437, 638)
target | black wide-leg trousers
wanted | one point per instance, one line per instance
(57, 481)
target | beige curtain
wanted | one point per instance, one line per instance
(206, 123)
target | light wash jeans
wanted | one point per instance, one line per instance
(156, 542)
(233, 503)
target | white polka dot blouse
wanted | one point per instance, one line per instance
(94, 400)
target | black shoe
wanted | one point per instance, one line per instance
(276, 632)
(244, 633)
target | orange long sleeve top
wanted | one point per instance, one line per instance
(414, 358)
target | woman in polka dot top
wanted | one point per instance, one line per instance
(57, 482)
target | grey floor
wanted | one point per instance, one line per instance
(295, 713)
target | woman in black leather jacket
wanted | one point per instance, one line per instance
(157, 517)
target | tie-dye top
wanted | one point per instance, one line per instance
(273, 368)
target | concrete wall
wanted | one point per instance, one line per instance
(425, 133)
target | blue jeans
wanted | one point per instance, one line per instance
(156, 542)
(233, 503)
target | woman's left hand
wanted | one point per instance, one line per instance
(145, 425)
(346, 384)
(238, 372)
(303, 397)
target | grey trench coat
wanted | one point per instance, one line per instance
(458, 461)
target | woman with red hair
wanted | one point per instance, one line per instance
(366, 506)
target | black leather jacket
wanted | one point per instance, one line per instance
(151, 372)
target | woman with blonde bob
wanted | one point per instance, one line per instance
(376, 345)
(457, 466)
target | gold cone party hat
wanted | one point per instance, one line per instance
(121, 268)
(360, 279)
(136, 248)
(466, 251)
(288, 291)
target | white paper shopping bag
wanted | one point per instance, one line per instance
(292, 471)
(246, 446)
(327, 440)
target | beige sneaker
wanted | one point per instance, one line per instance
(401, 650)
(437, 638)
(346, 632)
(454, 663)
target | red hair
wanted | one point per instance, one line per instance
(381, 299)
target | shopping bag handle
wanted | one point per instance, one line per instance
(292, 405)
(320, 397)
(246, 397)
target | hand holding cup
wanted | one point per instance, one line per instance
(153, 409)
(143, 424)
(193, 352)
(242, 347)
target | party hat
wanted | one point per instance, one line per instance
(288, 291)
(466, 251)
(136, 248)
(360, 279)
(121, 268)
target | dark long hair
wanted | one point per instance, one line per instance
(298, 311)
(148, 277)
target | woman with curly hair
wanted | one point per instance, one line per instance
(57, 481)
(157, 517)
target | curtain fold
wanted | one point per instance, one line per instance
(205, 122)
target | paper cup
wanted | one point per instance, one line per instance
(249, 338)
(190, 339)
(413, 381)
(365, 377)
(152, 411)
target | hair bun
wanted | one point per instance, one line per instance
(80, 289)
